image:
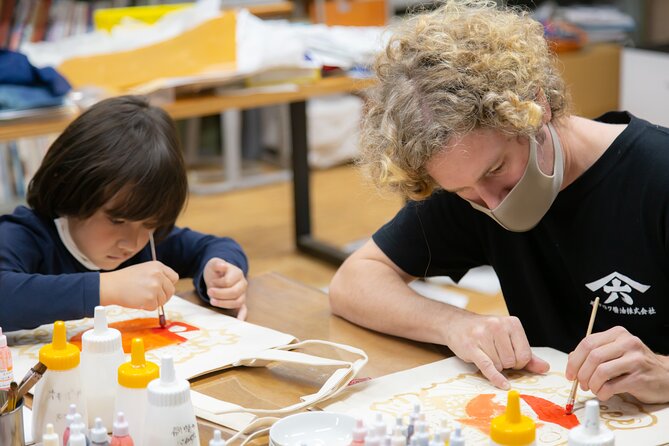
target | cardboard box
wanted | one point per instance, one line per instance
(592, 75)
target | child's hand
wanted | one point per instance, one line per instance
(226, 285)
(145, 286)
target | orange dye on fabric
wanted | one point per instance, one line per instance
(550, 412)
(482, 409)
(149, 330)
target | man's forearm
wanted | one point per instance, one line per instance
(369, 293)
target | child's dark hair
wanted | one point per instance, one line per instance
(120, 145)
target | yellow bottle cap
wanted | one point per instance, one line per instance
(138, 373)
(512, 428)
(60, 354)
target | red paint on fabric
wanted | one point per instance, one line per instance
(550, 412)
(482, 409)
(148, 329)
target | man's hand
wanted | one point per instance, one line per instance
(614, 361)
(145, 286)
(226, 286)
(493, 343)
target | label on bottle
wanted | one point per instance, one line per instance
(6, 369)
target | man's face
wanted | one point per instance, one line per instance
(484, 165)
(108, 241)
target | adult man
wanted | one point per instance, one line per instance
(470, 119)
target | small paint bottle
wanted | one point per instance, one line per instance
(445, 432)
(421, 434)
(217, 440)
(77, 438)
(62, 377)
(436, 440)
(131, 398)
(457, 438)
(592, 431)
(359, 433)
(101, 355)
(50, 437)
(380, 428)
(413, 417)
(6, 364)
(170, 418)
(372, 440)
(398, 438)
(79, 423)
(69, 418)
(512, 428)
(99, 435)
(120, 432)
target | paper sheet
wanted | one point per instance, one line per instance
(218, 340)
(451, 389)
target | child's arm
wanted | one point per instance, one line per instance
(189, 252)
(226, 286)
(29, 300)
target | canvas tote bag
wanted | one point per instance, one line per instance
(251, 423)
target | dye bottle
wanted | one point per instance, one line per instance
(50, 437)
(120, 433)
(99, 434)
(359, 433)
(512, 428)
(61, 384)
(217, 440)
(77, 438)
(80, 424)
(398, 438)
(457, 437)
(69, 418)
(170, 419)
(101, 355)
(592, 431)
(6, 365)
(131, 397)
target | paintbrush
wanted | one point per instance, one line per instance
(569, 408)
(28, 381)
(161, 310)
(10, 404)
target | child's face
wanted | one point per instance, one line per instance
(109, 241)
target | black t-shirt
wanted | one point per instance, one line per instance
(605, 235)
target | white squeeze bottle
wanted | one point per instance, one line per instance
(101, 355)
(61, 384)
(131, 398)
(592, 431)
(170, 419)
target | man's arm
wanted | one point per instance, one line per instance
(370, 290)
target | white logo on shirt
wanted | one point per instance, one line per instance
(618, 286)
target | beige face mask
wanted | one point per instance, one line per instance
(529, 200)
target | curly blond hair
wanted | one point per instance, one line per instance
(467, 65)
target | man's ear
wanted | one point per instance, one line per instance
(543, 102)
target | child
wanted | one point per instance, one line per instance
(113, 177)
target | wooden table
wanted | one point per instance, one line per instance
(280, 303)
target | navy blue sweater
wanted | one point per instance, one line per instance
(41, 282)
